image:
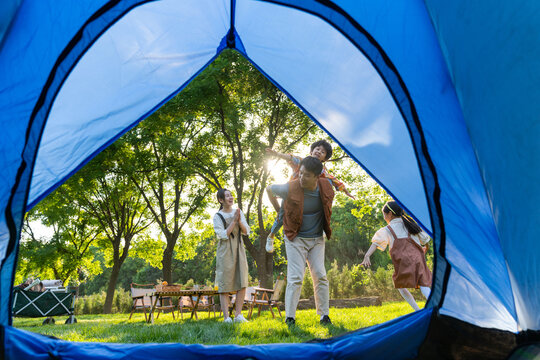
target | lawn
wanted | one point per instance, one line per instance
(117, 328)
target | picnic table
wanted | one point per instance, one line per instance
(168, 293)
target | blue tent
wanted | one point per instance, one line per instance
(443, 93)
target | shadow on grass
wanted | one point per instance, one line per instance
(336, 330)
(211, 331)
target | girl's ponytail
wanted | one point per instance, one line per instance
(412, 227)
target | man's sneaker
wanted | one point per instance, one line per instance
(269, 244)
(228, 320)
(290, 321)
(240, 319)
(325, 320)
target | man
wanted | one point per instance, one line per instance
(307, 210)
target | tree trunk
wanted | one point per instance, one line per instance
(107, 308)
(167, 263)
(266, 271)
(265, 267)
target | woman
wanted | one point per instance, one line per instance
(405, 239)
(231, 262)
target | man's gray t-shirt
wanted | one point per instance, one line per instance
(313, 216)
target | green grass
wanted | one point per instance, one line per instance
(261, 330)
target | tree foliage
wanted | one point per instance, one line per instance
(164, 177)
(65, 254)
(237, 113)
(146, 202)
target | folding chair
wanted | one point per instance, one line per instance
(143, 295)
(267, 297)
(207, 302)
(184, 302)
(250, 290)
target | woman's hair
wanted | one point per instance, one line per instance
(312, 164)
(326, 145)
(221, 196)
(412, 227)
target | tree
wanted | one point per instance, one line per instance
(165, 180)
(243, 114)
(212, 135)
(109, 196)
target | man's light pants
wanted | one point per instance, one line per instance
(299, 251)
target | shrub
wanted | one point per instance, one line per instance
(122, 301)
(355, 281)
(333, 276)
(93, 304)
(307, 286)
(382, 284)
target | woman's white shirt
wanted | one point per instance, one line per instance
(221, 230)
(383, 237)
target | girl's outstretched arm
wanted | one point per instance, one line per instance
(371, 250)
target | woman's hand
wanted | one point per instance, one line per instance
(235, 222)
(366, 263)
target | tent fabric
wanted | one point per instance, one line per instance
(9, 10)
(441, 119)
(130, 70)
(493, 59)
(27, 60)
(377, 342)
(374, 127)
(402, 86)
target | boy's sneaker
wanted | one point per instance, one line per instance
(269, 245)
(290, 321)
(325, 320)
(228, 320)
(240, 319)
